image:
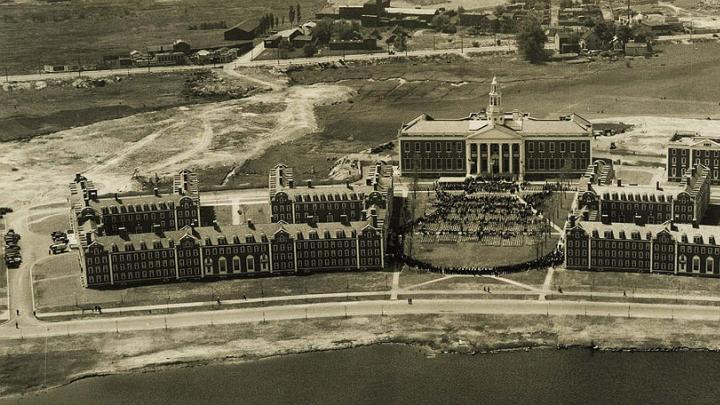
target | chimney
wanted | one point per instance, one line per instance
(291, 183)
(657, 186)
(347, 184)
(117, 197)
(619, 182)
(373, 219)
(639, 220)
(122, 231)
(571, 220)
(216, 226)
(589, 186)
(156, 191)
(605, 219)
(311, 220)
(695, 224)
(516, 115)
(344, 219)
(157, 230)
(87, 201)
(586, 215)
(250, 223)
(309, 183)
(88, 238)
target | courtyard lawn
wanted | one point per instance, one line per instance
(470, 254)
(616, 282)
(633, 176)
(411, 276)
(44, 225)
(57, 287)
(557, 207)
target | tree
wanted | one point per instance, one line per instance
(604, 32)
(460, 10)
(323, 31)
(271, 21)
(531, 40)
(297, 13)
(440, 22)
(309, 50)
(566, 4)
(291, 15)
(643, 34)
(623, 33)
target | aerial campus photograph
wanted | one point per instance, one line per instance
(359, 202)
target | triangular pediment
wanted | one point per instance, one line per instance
(706, 143)
(495, 132)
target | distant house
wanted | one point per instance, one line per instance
(484, 21)
(286, 35)
(637, 49)
(301, 41)
(566, 42)
(246, 30)
(425, 14)
(590, 41)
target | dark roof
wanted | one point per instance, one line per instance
(233, 234)
(247, 26)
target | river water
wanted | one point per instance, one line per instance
(394, 374)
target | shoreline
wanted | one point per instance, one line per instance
(427, 348)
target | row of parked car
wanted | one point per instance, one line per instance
(13, 258)
(60, 242)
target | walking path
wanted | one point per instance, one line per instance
(395, 285)
(513, 282)
(548, 282)
(431, 281)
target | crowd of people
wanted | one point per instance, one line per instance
(489, 218)
(553, 258)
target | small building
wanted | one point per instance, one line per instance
(301, 41)
(350, 12)
(273, 41)
(637, 49)
(566, 42)
(484, 21)
(245, 31)
(590, 41)
(425, 14)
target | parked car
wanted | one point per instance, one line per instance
(13, 260)
(58, 248)
(5, 210)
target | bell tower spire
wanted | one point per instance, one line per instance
(494, 110)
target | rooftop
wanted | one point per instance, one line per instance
(233, 234)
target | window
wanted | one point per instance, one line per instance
(222, 265)
(583, 147)
(572, 147)
(417, 147)
(696, 264)
(551, 147)
(264, 262)
(530, 146)
(448, 147)
(541, 147)
(458, 146)
(406, 146)
(709, 265)
(427, 147)
(250, 263)
(562, 147)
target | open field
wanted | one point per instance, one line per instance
(57, 287)
(67, 32)
(617, 282)
(390, 93)
(41, 108)
(475, 255)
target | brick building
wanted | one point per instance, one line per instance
(232, 251)
(318, 204)
(113, 214)
(611, 203)
(687, 149)
(658, 248)
(495, 144)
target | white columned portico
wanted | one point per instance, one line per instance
(510, 157)
(500, 158)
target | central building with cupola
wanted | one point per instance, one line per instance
(495, 143)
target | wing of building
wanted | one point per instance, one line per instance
(495, 144)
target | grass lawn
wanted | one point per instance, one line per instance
(476, 255)
(57, 286)
(47, 225)
(557, 207)
(30, 112)
(531, 277)
(36, 33)
(573, 280)
(411, 276)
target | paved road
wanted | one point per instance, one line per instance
(365, 308)
(244, 61)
